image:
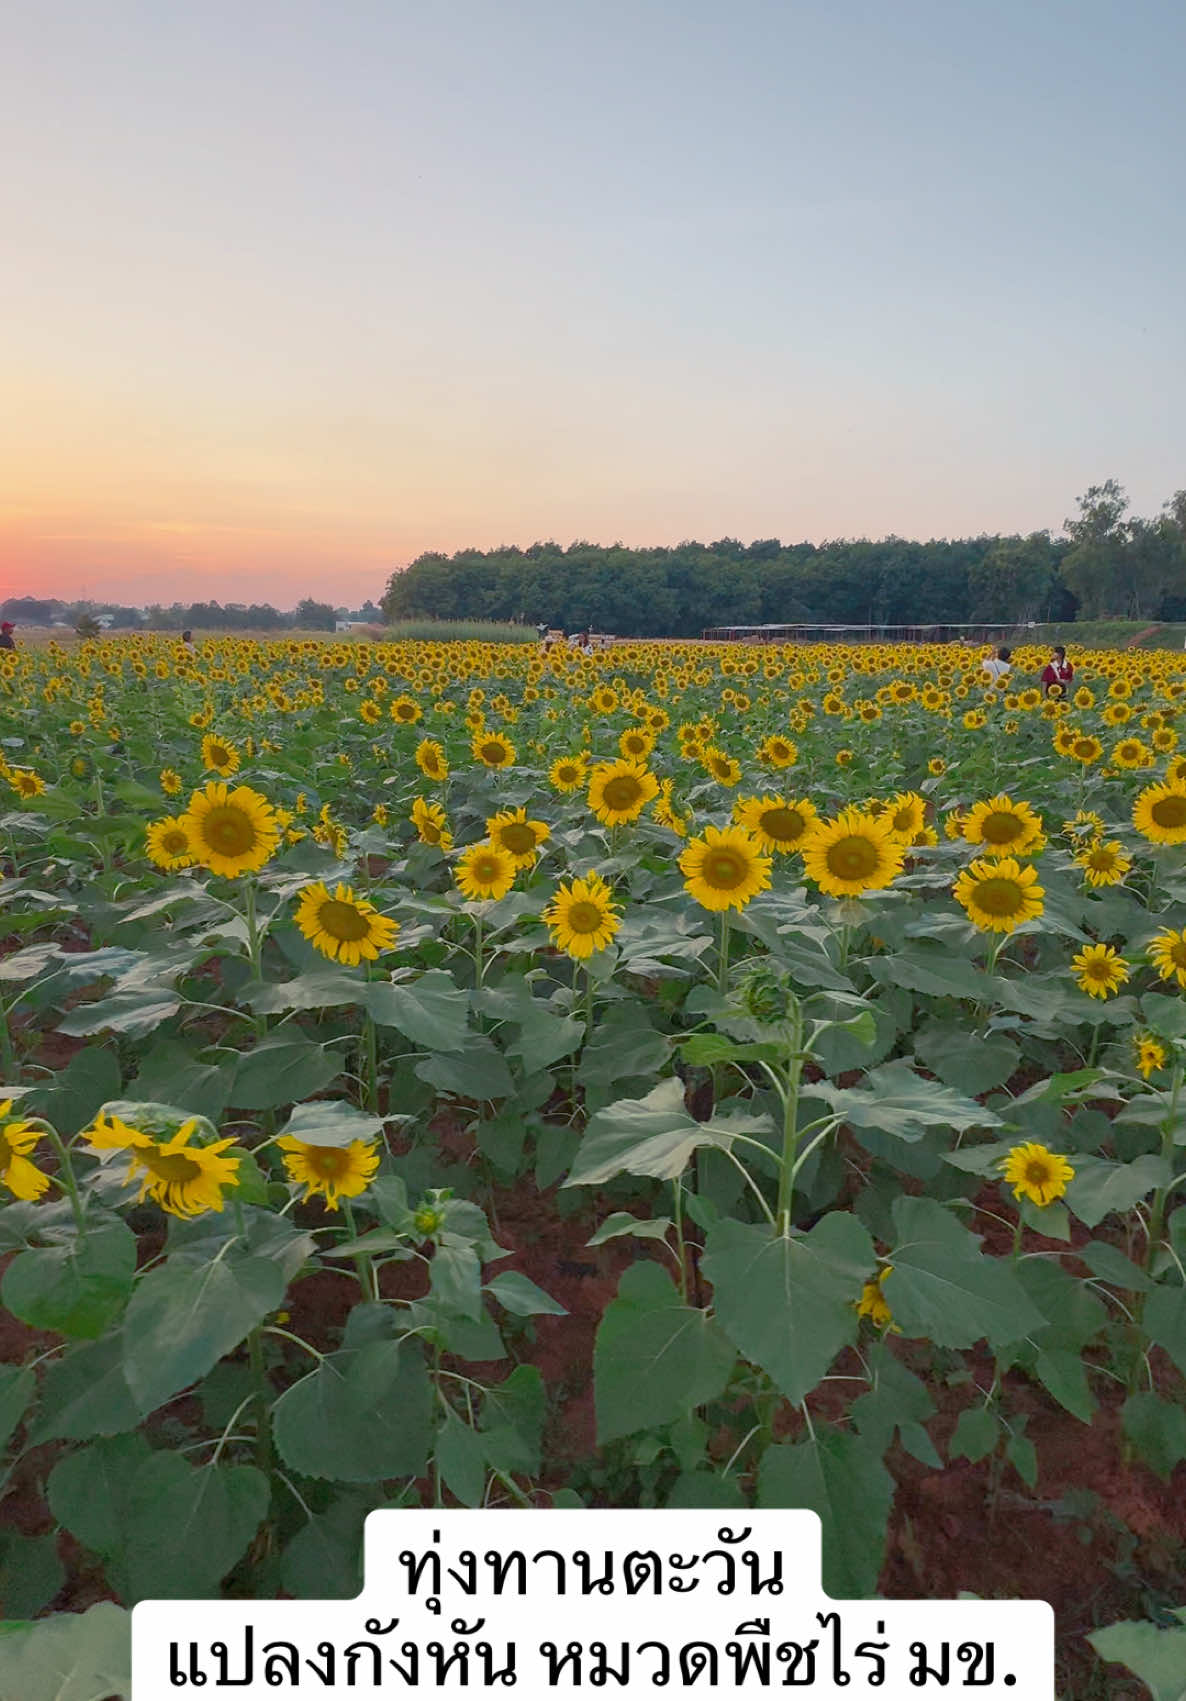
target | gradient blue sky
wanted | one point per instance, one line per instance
(291, 292)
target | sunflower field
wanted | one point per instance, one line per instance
(444, 1074)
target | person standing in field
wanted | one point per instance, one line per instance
(7, 641)
(1058, 672)
(998, 667)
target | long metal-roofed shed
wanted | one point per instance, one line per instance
(799, 632)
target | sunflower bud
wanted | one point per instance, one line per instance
(428, 1220)
(766, 997)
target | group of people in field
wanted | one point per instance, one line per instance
(1054, 678)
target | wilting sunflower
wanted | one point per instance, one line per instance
(342, 927)
(568, 773)
(431, 824)
(874, 1305)
(582, 916)
(1035, 1173)
(183, 1179)
(517, 835)
(724, 868)
(485, 871)
(999, 895)
(231, 832)
(1104, 863)
(220, 756)
(167, 843)
(431, 760)
(336, 1172)
(493, 750)
(1167, 952)
(776, 824)
(1100, 970)
(1159, 813)
(1149, 1053)
(620, 791)
(170, 781)
(17, 1139)
(854, 853)
(1002, 825)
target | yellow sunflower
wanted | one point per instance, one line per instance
(517, 835)
(231, 832)
(18, 1138)
(336, 1172)
(485, 871)
(342, 927)
(1131, 753)
(777, 752)
(167, 843)
(854, 853)
(724, 868)
(776, 824)
(170, 781)
(493, 750)
(1035, 1173)
(1100, 970)
(1083, 747)
(407, 711)
(431, 824)
(1159, 813)
(431, 760)
(724, 768)
(636, 743)
(185, 1180)
(220, 756)
(1150, 1054)
(620, 791)
(999, 895)
(906, 816)
(26, 783)
(582, 916)
(874, 1305)
(568, 773)
(1167, 952)
(1002, 825)
(1104, 863)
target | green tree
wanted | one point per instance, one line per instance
(315, 616)
(1012, 580)
(1094, 567)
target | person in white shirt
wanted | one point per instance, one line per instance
(998, 667)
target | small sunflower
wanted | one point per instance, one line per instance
(18, 1138)
(906, 816)
(1035, 1173)
(1001, 825)
(167, 843)
(231, 832)
(724, 868)
(582, 916)
(724, 768)
(1104, 863)
(778, 752)
(620, 791)
(854, 853)
(431, 760)
(342, 927)
(170, 781)
(406, 711)
(26, 783)
(184, 1179)
(1150, 1054)
(1100, 970)
(485, 871)
(431, 824)
(874, 1305)
(636, 743)
(999, 895)
(568, 773)
(493, 750)
(336, 1172)
(517, 835)
(220, 756)
(776, 824)
(370, 712)
(1159, 813)
(1131, 753)
(1167, 952)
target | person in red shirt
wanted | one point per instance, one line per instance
(1058, 673)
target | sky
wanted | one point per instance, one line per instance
(291, 292)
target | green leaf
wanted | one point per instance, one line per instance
(361, 1416)
(70, 1656)
(976, 1434)
(1022, 1455)
(709, 1048)
(89, 1491)
(430, 1011)
(841, 1478)
(323, 1561)
(655, 1358)
(133, 1013)
(1099, 1188)
(897, 1101)
(187, 1525)
(1064, 1375)
(478, 1072)
(1164, 1321)
(969, 1068)
(1157, 1429)
(512, 1421)
(78, 1288)
(622, 1047)
(456, 1278)
(653, 1136)
(788, 1302)
(898, 1401)
(934, 970)
(1156, 1656)
(320, 989)
(331, 1122)
(85, 1393)
(282, 1070)
(461, 1460)
(17, 1388)
(619, 1223)
(76, 1092)
(171, 1071)
(544, 1037)
(30, 1574)
(518, 1294)
(941, 1287)
(1111, 1266)
(185, 1316)
(706, 1490)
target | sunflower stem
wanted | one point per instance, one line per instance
(678, 1194)
(254, 947)
(790, 1122)
(263, 1401)
(7, 1051)
(66, 1179)
(363, 1263)
(723, 965)
(479, 962)
(588, 1004)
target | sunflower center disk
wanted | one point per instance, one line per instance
(785, 825)
(173, 1166)
(852, 858)
(585, 917)
(724, 871)
(229, 831)
(999, 897)
(518, 838)
(622, 792)
(1001, 829)
(1170, 812)
(343, 921)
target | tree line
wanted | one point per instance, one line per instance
(179, 616)
(1108, 565)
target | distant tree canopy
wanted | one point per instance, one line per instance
(1107, 566)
